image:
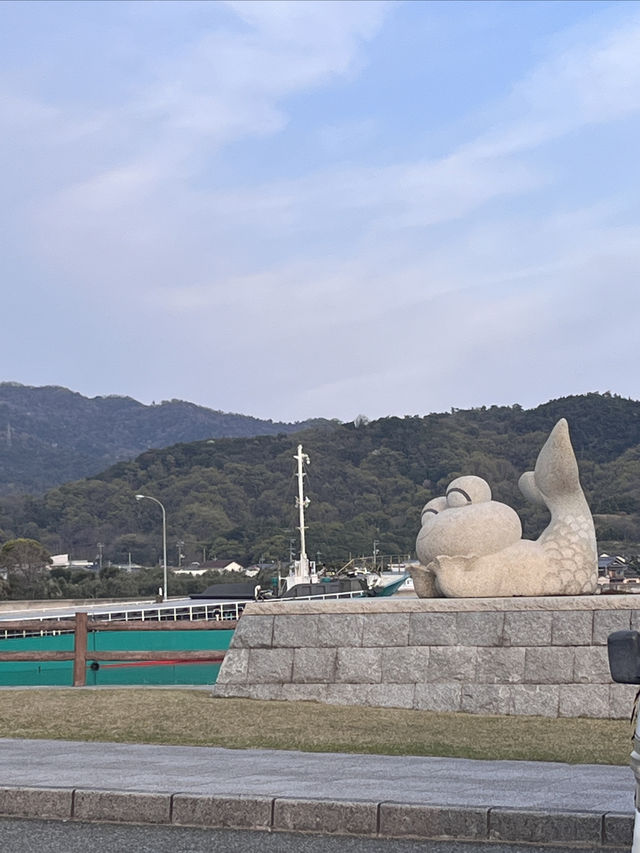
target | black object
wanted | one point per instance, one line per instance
(328, 588)
(228, 590)
(624, 656)
(94, 665)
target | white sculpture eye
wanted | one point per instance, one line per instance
(432, 508)
(468, 490)
(457, 497)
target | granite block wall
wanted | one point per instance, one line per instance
(535, 656)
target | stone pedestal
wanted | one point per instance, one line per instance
(537, 656)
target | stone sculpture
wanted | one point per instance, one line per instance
(471, 546)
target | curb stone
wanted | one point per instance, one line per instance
(239, 812)
(607, 830)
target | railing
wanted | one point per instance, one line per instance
(81, 625)
(226, 611)
(351, 593)
(230, 610)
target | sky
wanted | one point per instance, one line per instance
(321, 209)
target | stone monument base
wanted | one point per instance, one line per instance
(536, 656)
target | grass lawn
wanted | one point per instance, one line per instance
(190, 717)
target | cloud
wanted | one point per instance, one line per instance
(384, 284)
(586, 83)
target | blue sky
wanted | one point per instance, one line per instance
(321, 208)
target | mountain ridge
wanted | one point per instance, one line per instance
(50, 434)
(234, 497)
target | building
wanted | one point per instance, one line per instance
(197, 569)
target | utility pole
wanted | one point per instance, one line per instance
(100, 546)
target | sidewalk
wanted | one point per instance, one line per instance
(375, 795)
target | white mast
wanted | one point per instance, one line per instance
(304, 571)
(302, 503)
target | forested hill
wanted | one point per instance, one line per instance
(51, 435)
(234, 498)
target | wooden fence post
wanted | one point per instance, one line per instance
(80, 651)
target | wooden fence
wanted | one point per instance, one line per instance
(81, 625)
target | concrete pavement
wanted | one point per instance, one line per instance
(365, 795)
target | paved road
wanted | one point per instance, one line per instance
(170, 788)
(275, 773)
(38, 836)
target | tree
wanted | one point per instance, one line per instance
(26, 562)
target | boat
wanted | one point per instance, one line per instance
(305, 582)
(220, 602)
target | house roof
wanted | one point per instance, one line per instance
(607, 562)
(219, 564)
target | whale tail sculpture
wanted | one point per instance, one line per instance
(471, 546)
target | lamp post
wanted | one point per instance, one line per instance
(164, 540)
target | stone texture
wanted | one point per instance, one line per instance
(536, 700)
(480, 629)
(617, 830)
(422, 821)
(583, 700)
(542, 827)
(363, 666)
(433, 629)
(572, 629)
(424, 582)
(270, 665)
(304, 692)
(346, 694)
(452, 663)
(606, 622)
(267, 692)
(438, 697)
(336, 628)
(314, 665)
(233, 812)
(326, 816)
(548, 665)
(43, 802)
(621, 698)
(366, 606)
(405, 665)
(500, 666)
(390, 695)
(234, 666)
(474, 529)
(122, 806)
(528, 628)
(373, 695)
(591, 665)
(255, 632)
(381, 629)
(473, 544)
(487, 699)
(295, 631)
(430, 674)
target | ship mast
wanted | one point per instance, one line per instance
(302, 569)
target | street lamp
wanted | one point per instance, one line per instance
(164, 539)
